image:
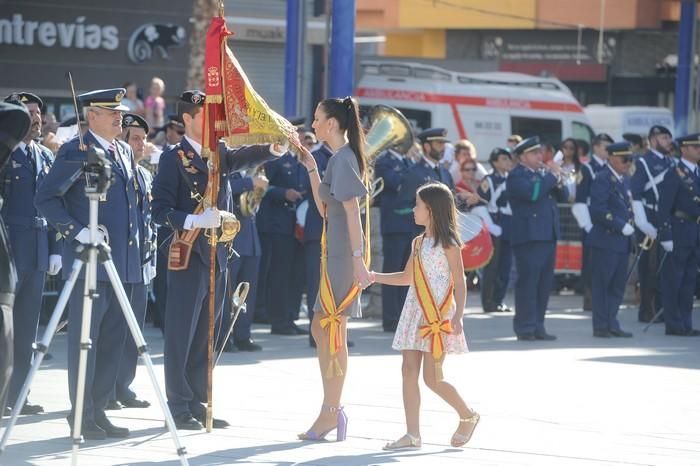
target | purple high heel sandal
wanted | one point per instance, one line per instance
(341, 427)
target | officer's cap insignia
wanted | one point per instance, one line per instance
(608, 216)
(128, 120)
(119, 96)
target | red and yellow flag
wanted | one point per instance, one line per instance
(236, 112)
(437, 326)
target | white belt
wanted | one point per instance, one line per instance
(649, 205)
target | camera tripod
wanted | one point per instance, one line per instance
(89, 255)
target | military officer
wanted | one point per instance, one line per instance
(313, 225)
(650, 170)
(497, 272)
(610, 239)
(66, 209)
(245, 267)
(533, 190)
(636, 143)
(276, 220)
(397, 229)
(15, 122)
(34, 243)
(177, 188)
(678, 220)
(580, 209)
(135, 132)
(427, 169)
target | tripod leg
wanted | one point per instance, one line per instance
(145, 356)
(41, 347)
(85, 345)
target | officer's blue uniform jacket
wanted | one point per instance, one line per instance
(66, 207)
(418, 175)
(493, 190)
(588, 173)
(149, 246)
(392, 169)
(611, 210)
(679, 207)
(533, 199)
(246, 242)
(31, 238)
(172, 196)
(278, 215)
(641, 184)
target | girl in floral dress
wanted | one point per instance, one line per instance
(430, 325)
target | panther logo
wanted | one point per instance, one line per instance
(150, 37)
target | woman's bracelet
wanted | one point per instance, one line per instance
(311, 171)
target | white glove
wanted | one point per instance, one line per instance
(667, 245)
(210, 218)
(495, 230)
(84, 236)
(640, 219)
(582, 215)
(55, 263)
(279, 149)
(627, 230)
(149, 273)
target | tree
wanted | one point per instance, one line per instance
(202, 13)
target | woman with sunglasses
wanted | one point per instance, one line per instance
(610, 239)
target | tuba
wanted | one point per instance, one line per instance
(388, 128)
(249, 201)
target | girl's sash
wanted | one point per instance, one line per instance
(437, 325)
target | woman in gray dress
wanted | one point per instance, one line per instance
(337, 123)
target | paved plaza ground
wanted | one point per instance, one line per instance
(577, 401)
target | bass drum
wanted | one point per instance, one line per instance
(478, 247)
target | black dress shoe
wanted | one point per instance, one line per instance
(29, 408)
(283, 331)
(216, 423)
(693, 333)
(527, 337)
(677, 333)
(113, 405)
(601, 334)
(545, 337)
(247, 345)
(90, 431)
(490, 309)
(110, 429)
(300, 330)
(620, 333)
(185, 421)
(135, 403)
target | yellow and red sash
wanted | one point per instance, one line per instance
(437, 325)
(331, 321)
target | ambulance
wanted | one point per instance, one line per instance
(485, 108)
(617, 121)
